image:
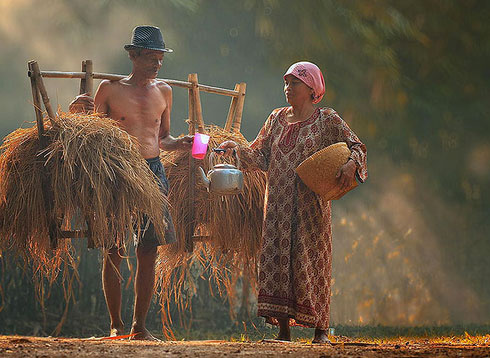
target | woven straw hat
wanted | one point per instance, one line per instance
(318, 171)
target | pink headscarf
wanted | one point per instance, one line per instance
(310, 75)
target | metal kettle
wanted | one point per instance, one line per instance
(223, 179)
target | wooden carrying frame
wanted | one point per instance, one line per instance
(87, 76)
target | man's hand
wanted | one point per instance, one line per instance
(346, 173)
(169, 143)
(82, 103)
(184, 143)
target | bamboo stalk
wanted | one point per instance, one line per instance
(88, 235)
(190, 225)
(74, 234)
(89, 79)
(83, 81)
(48, 197)
(113, 77)
(44, 94)
(201, 238)
(60, 74)
(37, 108)
(232, 110)
(239, 107)
(197, 103)
(191, 121)
(217, 90)
(86, 86)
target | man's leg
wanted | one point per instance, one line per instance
(111, 284)
(144, 285)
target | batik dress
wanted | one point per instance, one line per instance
(295, 262)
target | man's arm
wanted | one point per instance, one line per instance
(101, 98)
(167, 142)
(166, 139)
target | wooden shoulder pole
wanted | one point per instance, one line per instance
(239, 107)
(232, 110)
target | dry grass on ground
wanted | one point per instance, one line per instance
(466, 346)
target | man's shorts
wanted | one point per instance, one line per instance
(149, 237)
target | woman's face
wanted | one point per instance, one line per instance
(296, 91)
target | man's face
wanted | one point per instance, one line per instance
(149, 62)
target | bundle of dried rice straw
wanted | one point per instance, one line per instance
(233, 225)
(97, 176)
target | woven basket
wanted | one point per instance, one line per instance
(318, 171)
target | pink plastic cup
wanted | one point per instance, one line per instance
(200, 145)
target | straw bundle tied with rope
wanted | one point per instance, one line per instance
(232, 223)
(99, 181)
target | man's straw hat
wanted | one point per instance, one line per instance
(318, 171)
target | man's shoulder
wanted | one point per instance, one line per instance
(106, 90)
(108, 85)
(164, 88)
(162, 85)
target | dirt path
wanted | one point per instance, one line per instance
(20, 346)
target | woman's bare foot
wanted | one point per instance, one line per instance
(142, 334)
(321, 337)
(284, 330)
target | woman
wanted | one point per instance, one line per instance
(296, 253)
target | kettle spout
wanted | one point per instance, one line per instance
(204, 179)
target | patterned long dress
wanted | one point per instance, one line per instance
(296, 254)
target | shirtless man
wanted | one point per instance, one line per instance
(141, 104)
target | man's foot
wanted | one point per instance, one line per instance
(321, 337)
(142, 335)
(116, 331)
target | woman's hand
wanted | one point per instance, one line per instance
(229, 146)
(346, 173)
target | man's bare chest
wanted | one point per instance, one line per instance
(140, 105)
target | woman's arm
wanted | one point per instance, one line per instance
(358, 149)
(257, 155)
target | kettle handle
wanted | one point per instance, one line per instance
(218, 150)
(235, 153)
(211, 162)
